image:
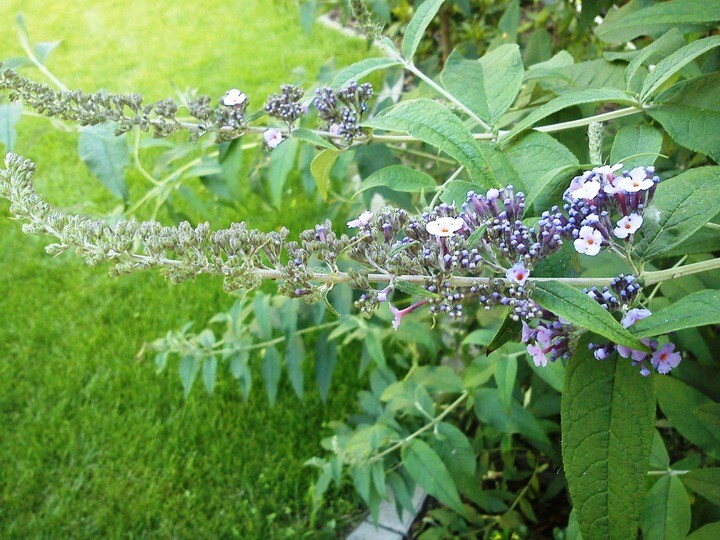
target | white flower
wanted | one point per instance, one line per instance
(492, 194)
(273, 137)
(234, 97)
(588, 241)
(444, 226)
(362, 219)
(637, 181)
(607, 172)
(517, 273)
(587, 191)
(628, 225)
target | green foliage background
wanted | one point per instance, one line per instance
(93, 444)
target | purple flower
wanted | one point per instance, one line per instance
(665, 358)
(635, 315)
(538, 355)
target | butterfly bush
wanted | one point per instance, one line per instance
(482, 251)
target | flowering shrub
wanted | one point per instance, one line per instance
(579, 257)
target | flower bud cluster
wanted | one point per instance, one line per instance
(549, 339)
(286, 105)
(343, 109)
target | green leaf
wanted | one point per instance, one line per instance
(576, 306)
(487, 86)
(361, 480)
(465, 79)
(709, 414)
(282, 161)
(659, 458)
(374, 348)
(664, 46)
(490, 410)
(325, 360)
(667, 510)
(505, 373)
(358, 70)
(320, 169)
(711, 531)
(553, 374)
(106, 156)
(455, 450)
(690, 113)
(308, 10)
(294, 358)
(571, 99)
(636, 146)
(434, 124)
(705, 482)
(271, 370)
(427, 469)
(698, 309)
(608, 412)
(42, 50)
(657, 18)
(418, 24)
(188, 369)
(414, 289)
(509, 329)
(667, 67)
(10, 114)
(677, 400)
(399, 178)
(209, 373)
(313, 138)
(378, 478)
(680, 207)
(544, 165)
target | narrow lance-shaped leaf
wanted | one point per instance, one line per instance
(294, 358)
(667, 510)
(577, 307)
(271, 370)
(690, 113)
(608, 411)
(427, 469)
(360, 69)
(667, 67)
(677, 401)
(417, 26)
(697, 309)
(282, 161)
(320, 169)
(657, 18)
(705, 482)
(680, 207)
(590, 95)
(106, 156)
(9, 116)
(434, 124)
(636, 146)
(399, 178)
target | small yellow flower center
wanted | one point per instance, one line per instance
(590, 241)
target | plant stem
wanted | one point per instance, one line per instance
(657, 276)
(440, 90)
(439, 418)
(669, 472)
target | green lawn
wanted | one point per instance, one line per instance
(94, 444)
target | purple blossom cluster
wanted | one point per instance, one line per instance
(594, 197)
(663, 358)
(549, 339)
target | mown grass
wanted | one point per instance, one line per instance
(94, 444)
